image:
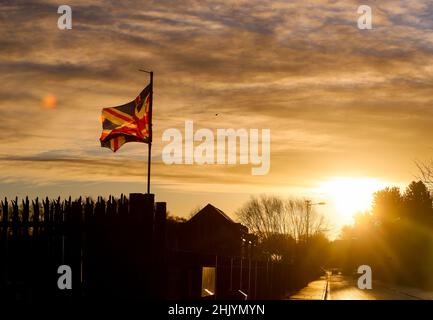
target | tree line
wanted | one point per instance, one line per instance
(289, 230)
(395, 238)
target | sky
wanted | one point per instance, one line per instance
(340, 102)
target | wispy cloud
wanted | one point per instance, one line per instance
(338, 100)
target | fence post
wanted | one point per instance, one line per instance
(159, 253)
(36, 214)
(4, 241)
(74, 245)
(141, 207)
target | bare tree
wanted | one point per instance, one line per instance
(426, 172)
(303, 220)
(268, 216)
(263, 215)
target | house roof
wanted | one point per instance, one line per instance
(209, 210)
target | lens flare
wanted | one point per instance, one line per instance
(49, 101)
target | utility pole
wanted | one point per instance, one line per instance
(308, 205)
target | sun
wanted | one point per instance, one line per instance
(350, 195)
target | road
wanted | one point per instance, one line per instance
(345, 288)
(338, 287)
(315, 290)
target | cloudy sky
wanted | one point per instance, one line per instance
(339, 101)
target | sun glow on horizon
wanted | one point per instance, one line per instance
(350, 195)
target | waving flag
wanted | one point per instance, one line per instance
(130, 122)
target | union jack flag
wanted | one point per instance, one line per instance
(127, 123)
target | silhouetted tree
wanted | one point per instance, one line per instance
(363, 226)
(319, 249)
(270, 215)
(347, 233)
(281, 224)
(426, 172)
(396, 239)
(280, 246)
(175, 219)
(388, 205)
(264, 216)
(418, 202)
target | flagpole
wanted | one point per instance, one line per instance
(149, 153)
(150, 132)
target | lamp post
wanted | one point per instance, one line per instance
(309, 204)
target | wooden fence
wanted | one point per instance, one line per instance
(107, 244)
(116, 249)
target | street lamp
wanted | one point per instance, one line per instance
(309, 204)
